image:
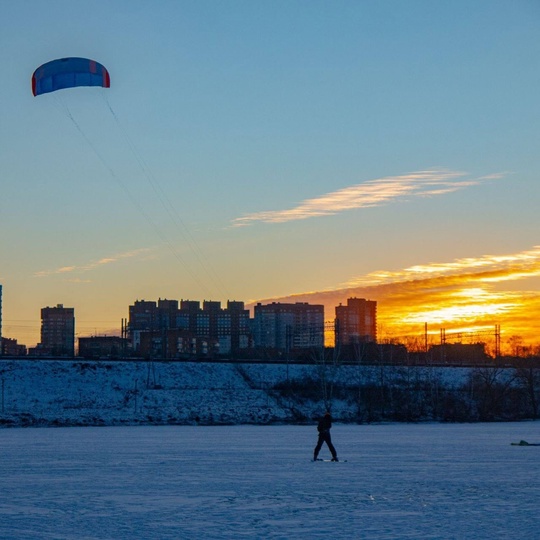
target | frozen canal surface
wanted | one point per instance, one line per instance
(400, 481)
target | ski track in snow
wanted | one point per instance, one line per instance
(428, 481)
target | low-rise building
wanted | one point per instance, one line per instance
(113, 347)
(10, 347)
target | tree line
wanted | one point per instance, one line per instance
(412, 394)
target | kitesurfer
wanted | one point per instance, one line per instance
(323, 427)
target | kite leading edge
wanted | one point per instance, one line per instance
(69, 73)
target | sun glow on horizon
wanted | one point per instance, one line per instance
(464, 295)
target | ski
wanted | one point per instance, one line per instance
(331, 460)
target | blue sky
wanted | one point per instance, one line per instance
(408, 129)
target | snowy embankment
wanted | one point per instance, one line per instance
(63, 393)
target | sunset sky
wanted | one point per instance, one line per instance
(280, 150)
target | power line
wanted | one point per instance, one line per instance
(132, 198)
(169, 208)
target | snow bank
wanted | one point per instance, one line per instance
(63, 393)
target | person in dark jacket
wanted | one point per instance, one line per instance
(325, 423)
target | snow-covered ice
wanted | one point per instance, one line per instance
(172, 482)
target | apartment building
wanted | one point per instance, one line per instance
(284, 326)
(211, 328)
(356, 322)
(58, 331)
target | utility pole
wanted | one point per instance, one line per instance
(497, 341)
(288, 336)
(443, 344)
(123, 335)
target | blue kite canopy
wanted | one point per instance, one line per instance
(69, 73)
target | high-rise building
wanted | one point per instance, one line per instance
(188, 314)
(288, 326)
(223, 330)
(356, 322)
(239, 325)
(212, 310)
(145, 316)
(142, 316)
(58, 330)
(166, 313)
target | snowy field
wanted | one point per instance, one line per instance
(174, 482)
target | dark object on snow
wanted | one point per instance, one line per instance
(524, 443)
(324, 426)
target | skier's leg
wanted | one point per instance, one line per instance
(318, 447)
(331, 447)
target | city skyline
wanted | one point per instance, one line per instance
(311, 151)
(416, 335)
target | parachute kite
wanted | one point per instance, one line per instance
(68, 73)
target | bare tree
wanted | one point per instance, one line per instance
(529, 379)
(491, 388)
(327, 362)
(515, 344)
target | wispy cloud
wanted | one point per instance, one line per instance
(372, 193)
(488, 268)
(80, 269)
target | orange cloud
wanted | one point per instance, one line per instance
(461, 296)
